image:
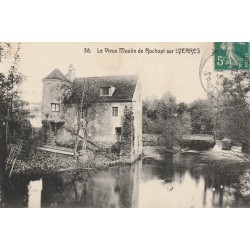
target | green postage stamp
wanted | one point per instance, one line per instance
(231, 56)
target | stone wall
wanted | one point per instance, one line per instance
(137, 113)
(52, 93)
(105, 124)
(102, 124)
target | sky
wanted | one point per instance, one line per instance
(158, 73)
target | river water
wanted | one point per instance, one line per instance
(187, 179)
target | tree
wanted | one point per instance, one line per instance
(15, 126)
(9, 94)
(167, 118)
(233, 109)
(82, 96)
(182, 108)
(173, 129)
(201, 117)
(155, 110)
(5, 49)
(14, 117)
(168, 97)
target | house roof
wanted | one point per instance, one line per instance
(124, 87)
(56, 74)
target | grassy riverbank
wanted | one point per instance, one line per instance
(40, 162)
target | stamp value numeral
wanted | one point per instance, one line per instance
(221, 60)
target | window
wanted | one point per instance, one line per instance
(105, 91)
(115, 111)
(118, 130)
(55, 107)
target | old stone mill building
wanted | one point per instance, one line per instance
(115, 116)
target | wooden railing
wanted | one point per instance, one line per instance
(12, 157)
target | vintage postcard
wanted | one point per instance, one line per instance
(123, 125)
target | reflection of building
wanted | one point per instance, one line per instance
(115, 116)
(34, 192)
(116, 187)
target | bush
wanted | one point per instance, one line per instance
(116, 148)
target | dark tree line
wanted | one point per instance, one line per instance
(172, 120)
(225, 114)
(15, 126)
(232, 109)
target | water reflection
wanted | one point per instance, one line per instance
(115, 187)
(34, 193)
(180, 180)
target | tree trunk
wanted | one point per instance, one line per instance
(3, 151)
(76, 146)
(86, 130)
(77, 132)
(7, 126)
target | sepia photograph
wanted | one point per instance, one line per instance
(139, 106)
(124, 125)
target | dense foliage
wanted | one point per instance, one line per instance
(225, 114)
(233, 110)
(166, 117)
(201, 117)
(15, 126)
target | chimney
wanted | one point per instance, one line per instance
(71, 75)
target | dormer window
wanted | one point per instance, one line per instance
(105, 91)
